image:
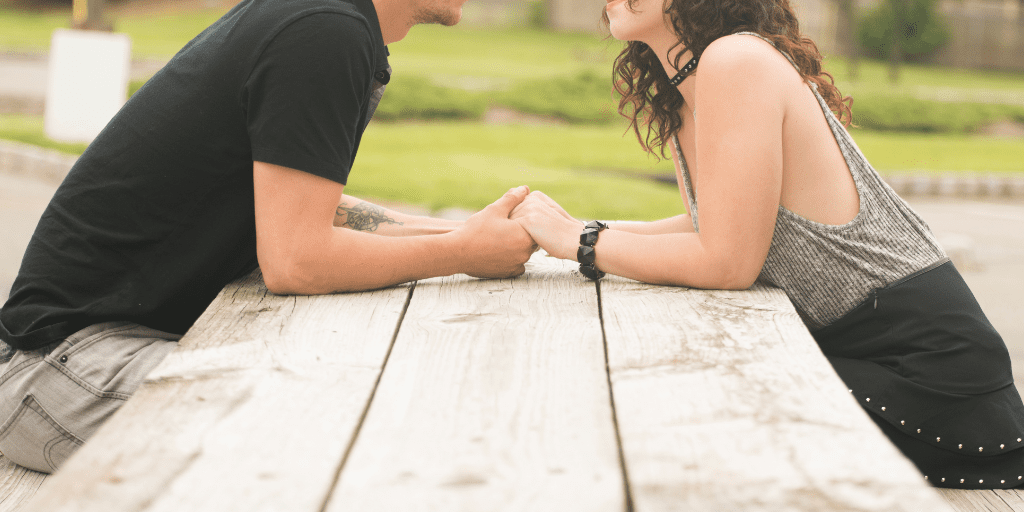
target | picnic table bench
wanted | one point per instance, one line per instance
(543, 392)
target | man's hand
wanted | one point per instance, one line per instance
(549, 225)
(496, 247)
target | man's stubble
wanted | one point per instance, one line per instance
(437, 14)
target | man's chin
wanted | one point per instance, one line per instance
(451, 18)
(446, 18)
(454, 19)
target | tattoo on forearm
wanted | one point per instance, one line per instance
(364, 217)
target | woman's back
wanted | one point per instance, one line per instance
(862, 236)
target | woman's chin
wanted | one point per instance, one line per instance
(618, 34)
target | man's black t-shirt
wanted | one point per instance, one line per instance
(157, 215)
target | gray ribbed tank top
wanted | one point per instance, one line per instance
(828, 270)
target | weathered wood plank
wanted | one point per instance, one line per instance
(999, 500)
(724, 402)
(495, 397)
(253, 411)
(17, 485)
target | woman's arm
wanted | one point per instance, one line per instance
(356, 214)
(677, 224)
(741, 98)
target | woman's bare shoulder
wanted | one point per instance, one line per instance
(739, 62)
(747, 55)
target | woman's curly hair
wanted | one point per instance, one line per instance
(648, 100)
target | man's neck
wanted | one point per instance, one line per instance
(395, 19)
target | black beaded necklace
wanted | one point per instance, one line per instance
(685, 72)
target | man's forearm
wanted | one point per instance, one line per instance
(487, 245)
(359, 215)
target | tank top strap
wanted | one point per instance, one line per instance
(691, 201)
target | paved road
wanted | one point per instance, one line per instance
(986, 240)
(22, 201)
(30, 77)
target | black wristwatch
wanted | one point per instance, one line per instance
(586, 254)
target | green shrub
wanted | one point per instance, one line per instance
(923, 31)
(415, 97)
(584, 98)
(908, 114)
(587, 99)
(537, 14)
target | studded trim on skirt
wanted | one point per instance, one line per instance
(924, 361)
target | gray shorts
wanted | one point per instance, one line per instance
(53, 399)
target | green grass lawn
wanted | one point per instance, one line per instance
(594, 171)
(591, 171)
(29, 129)
(159, 36)
(925, 152)
(485, 58)
(928, 82)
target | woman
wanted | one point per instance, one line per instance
(784, 196)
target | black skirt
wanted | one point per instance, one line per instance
(924, 361)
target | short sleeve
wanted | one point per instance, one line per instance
(306, 96)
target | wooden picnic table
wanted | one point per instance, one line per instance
(543, 392)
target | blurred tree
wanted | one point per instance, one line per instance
(846, 33)
(903, 30)
(537, 13)
(899, 20)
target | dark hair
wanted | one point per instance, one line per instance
(649, 100)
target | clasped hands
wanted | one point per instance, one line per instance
(498, 240)
(548, 224)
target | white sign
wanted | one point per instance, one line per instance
(88, 82)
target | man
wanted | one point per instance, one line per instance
(235, 154)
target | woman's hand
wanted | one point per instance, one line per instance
(549, 224)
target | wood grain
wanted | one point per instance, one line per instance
(725, 403)
(253, 411)
(997, 500)
(17, 485)
(495, 397)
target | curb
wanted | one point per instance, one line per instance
(30, 161)
(51, 166)
(960, 185)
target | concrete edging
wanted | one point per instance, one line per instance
(30, 161)
(51, 166)
(963, 185)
